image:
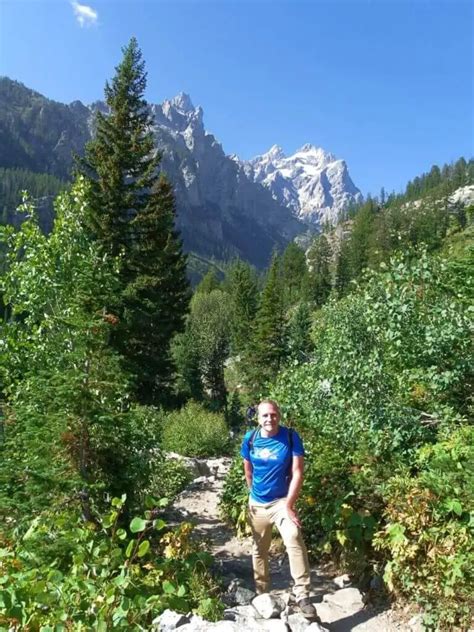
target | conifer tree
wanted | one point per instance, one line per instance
(293, 272)
(241, 285)
(319, 276)
(269, 344)
(208, 283)
(132, 214)
(361, 238)
(299, 339)
(343, 272)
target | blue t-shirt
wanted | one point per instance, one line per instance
(271, 463)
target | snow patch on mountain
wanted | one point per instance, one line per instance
(313, 183)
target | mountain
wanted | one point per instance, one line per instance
(313, 183)
(226, 207)
(222, 212)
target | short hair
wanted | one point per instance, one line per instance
(270, 401)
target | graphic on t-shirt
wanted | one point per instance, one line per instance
(265, 454)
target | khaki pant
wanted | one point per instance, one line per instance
(261, 518)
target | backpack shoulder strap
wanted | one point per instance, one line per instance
(290, 440)
(252, 439)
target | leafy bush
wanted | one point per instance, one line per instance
(170, 476)
(429, 534)
(195, 431)
(112, 579)
(391, 369)
(235, 497)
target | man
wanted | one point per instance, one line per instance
(273, 464)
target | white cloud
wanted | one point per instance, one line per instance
(85, 15)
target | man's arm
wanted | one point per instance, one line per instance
(297, 475)
(248, 470)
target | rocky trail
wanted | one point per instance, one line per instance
(339, 605)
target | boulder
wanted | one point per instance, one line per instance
(268, 606)
(169, 620)
(342, 581)
(349, 599)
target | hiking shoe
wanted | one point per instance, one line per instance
(308, 610)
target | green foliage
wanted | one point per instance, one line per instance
(299, 340)
(293, 270)
(200, 353)
(241, 287)
(209, 282)
(195, 431)
(170, 477)
(234, 499)
(70, 427)
(391, 367)
(268, 349)
(14, 181)
(318, 283)
(131, 213)
(429, 534)
(107, 578)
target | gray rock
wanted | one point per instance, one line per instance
(240, 613)
(342, 581)
(243, 596)
(169, 620)
(268, 606)
(349, 599)
(297, 622)
(316, 627)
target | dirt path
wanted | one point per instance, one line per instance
(199, 504)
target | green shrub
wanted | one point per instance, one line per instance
(170, 476)
(235, 497)
(194, 431)
(391, 369)
(111, 579)
(429, 535)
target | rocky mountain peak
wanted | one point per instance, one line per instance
(313, 183)
(182, 102)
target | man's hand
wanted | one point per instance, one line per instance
(293, 516)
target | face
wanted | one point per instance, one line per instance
(268, 418)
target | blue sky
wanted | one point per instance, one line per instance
(386, 85)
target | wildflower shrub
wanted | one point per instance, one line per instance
(429, 532)
(195, 431)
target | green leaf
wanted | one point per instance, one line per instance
(143, 548)
(121, 534)
(168, 587)
(137, 525)
(130, 547)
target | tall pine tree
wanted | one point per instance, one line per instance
(268, 348)
(132, 214)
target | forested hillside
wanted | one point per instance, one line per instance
(108, 361)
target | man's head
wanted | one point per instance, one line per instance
(269, 416)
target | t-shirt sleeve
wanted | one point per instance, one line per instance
(298, 449)
(245, 449)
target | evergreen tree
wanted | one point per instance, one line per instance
(208, 282)
(269, 345)
(361, 238)
(132, 214)
(155, 298)
(299, 339)
(118, 162)
(343, 273)
(319, 277)
(293, 272)
(241, 283)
